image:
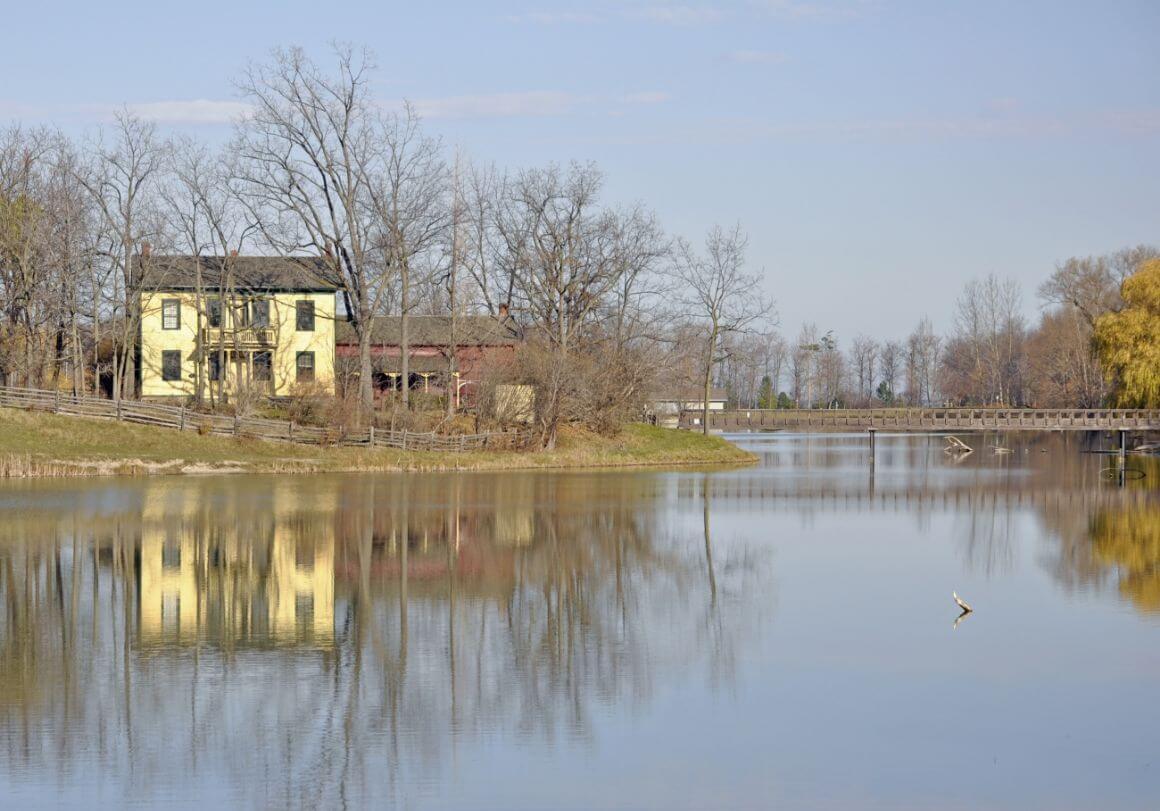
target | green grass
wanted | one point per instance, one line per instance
(39, 444)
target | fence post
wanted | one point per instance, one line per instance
(118, 409)
(56, 402)
(404, 439)
(290, 430)
(372, 435)
(182, 417)
(235, 423)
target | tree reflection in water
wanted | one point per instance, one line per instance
(1128, 541)
(1102, 530)
(342, 640)
(319, 641)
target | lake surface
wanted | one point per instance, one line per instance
(779, 636)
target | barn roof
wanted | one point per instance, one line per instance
(435, 330)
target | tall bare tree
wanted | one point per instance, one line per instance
(1091, 284)
(890, 368)
(721, 297)
(310, 157)
(72, 247)
(488, 263)
(803, 362)
(561, 248)
(408, 196)
(863, 356)
(983, 361)
(25, 157)
(922, 357)
(122, 180)
(207, 219)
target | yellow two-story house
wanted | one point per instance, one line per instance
(223, 325)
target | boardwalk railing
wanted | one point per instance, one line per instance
(928, 419)
(186, 419)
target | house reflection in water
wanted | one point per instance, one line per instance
(263, 577)
(255, 567)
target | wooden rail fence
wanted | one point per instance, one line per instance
(928, 419)
(186, 419)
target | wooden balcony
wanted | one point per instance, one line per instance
(239, 337)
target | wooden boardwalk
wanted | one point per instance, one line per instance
(928, 419)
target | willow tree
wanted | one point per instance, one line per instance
(1128, 341)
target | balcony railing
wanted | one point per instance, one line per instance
(240, 337)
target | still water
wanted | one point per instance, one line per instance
(779, 636)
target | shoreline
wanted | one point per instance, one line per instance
(37, 445)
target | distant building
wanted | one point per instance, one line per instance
(665, 408)
(478, 342)
(220, 323)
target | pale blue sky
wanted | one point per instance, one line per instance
(879, 153)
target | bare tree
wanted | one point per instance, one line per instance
(561, 247)
(455, 260)
(310, 159)
(863, 355)
(408, 197)
(1062, 369)
(922, 353)
(983, 361)
(1091, 284)
(890, 367)
(802, 364)
(72, 247)
(640, 247)
(485, 258)
(831, 369)
(206, 218)
(1062, 364)
(773, 356)
(121, 180)
(722, 298)
(25, 158)
(742, 366)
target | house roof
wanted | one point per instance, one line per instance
(434, 330)
(259, 273)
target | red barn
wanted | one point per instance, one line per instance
(477, 343)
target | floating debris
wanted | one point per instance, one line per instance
(956, 445)
(1125, 473)
(961, 603)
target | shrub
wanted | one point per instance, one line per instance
(309, 404)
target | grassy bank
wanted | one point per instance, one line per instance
(38, 444)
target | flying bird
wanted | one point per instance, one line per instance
(962, 603)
